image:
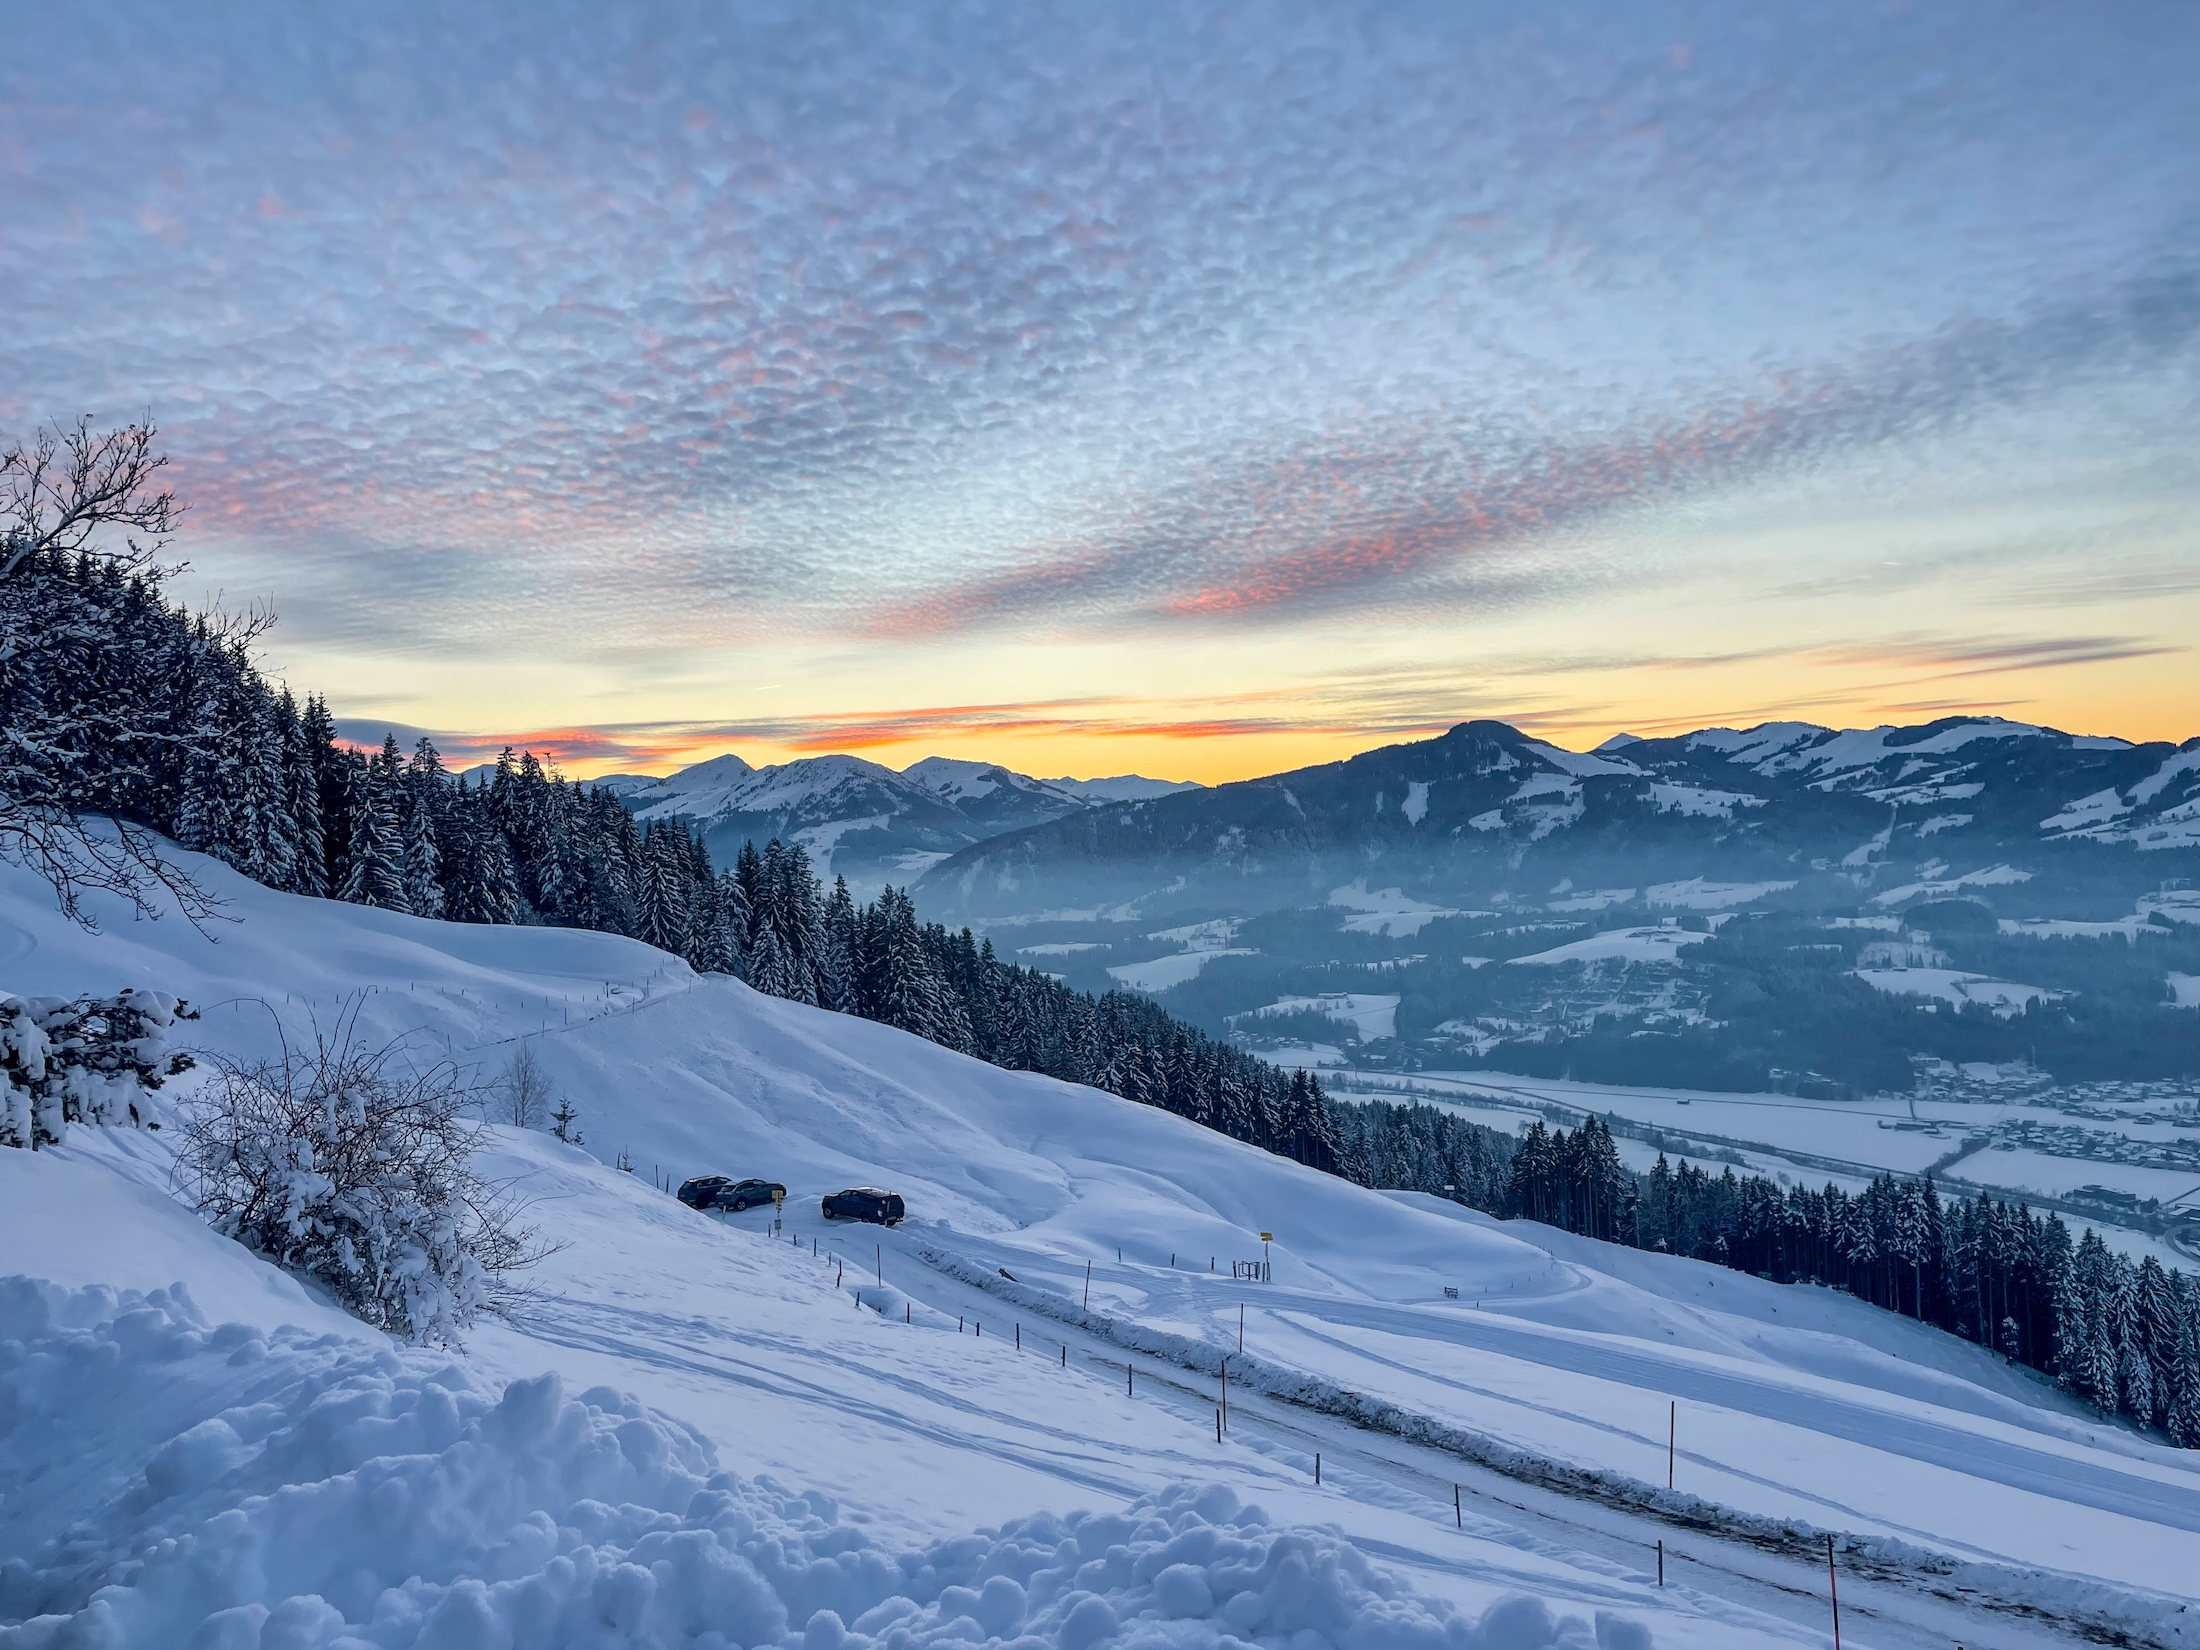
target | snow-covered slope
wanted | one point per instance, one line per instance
(851, 1381)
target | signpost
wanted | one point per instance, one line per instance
(779, 1205)
(1267, 1272)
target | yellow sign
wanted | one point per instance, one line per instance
(1268, 1237)
(779, 1197)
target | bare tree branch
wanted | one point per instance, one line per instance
(73, 490)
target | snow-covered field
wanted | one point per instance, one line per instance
(1369, 1015)
(701, 1427)
(1623, 945)
(1951, 985)
(2042, 1172)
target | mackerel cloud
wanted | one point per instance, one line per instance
(900, 321)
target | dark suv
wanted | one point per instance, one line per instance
(717, 1191)
(865, 1203)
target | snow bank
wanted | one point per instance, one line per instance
(233, 1490)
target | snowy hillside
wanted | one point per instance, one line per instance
(861, 1438)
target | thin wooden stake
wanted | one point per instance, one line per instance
(1317, 1466)
(1065, 1354)
(1241, 1326)
(1458, 1517)
(1218, 1426)
(1019, 1337)
(1661, 1564)
(1088, 1283)
(1833, 1591)
(1130, 1387)
(882, 1265)
(908, 1314)
(1672, 1427)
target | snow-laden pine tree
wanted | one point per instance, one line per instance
(661, 907)
(2182, 1417)
(302, 794)
(420, 860)
(267, 827)
(733, 921)
(2155, 1325)
(770, 970)
(374, 868)
(206, 814)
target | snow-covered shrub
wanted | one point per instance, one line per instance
(353, 1167)
(86, 1060)
(295, 1490)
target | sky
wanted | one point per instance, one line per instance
(1196, 390)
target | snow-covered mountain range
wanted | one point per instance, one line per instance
(863, 820)
(1486, 813)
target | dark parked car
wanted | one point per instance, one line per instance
(865, 1203)
(718, 1191)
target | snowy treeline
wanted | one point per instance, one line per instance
(82, 1060)
(1416, 1148)
(1574, 1181)
(880, 961)
(2124, 1337)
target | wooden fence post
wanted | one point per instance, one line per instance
(1833, 1591)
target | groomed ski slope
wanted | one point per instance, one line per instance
(1794, 1405)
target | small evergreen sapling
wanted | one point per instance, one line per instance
(565, 1122)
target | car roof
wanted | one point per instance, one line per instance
(867, 1191)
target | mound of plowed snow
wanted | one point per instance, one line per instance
(166, 1482)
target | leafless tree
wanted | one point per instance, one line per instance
(525, 1090)
(75, 491)
(348, 1163)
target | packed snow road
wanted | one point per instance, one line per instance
(1725, 1575)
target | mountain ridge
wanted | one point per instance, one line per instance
(1485, 809)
